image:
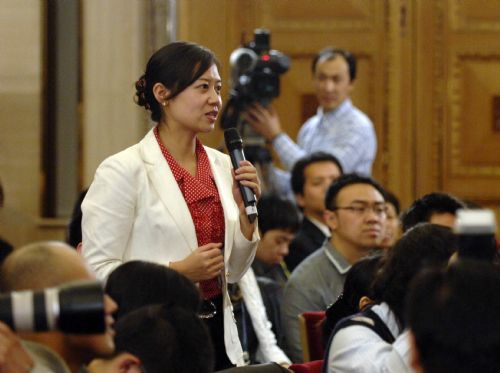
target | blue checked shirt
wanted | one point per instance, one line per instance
(345, 132)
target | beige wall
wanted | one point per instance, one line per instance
(20, 117)
(113, 59)
(113, 56)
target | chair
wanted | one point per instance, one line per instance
(310, 326)
(314, 366)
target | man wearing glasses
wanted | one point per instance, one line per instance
(355, 213)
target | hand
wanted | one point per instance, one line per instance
(264, 121)
(246, 175)
(13, 357)
(204, 263)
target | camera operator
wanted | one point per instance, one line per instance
(338, 127)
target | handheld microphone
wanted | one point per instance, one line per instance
(234, 145)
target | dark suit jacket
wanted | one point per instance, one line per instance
(308, 239)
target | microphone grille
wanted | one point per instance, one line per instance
(233, 139)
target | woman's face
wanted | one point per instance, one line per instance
(196, 108)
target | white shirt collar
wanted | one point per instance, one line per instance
(321, 226)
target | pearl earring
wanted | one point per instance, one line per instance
(164, 103)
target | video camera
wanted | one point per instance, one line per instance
(75, 308)
(255, 71)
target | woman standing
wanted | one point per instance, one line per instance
(170, 200)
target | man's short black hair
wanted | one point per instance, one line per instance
(298, 171)
(422, 209)
(345, 180)
(330, 53)
(453, 315)
(277, 213)
(424, 245)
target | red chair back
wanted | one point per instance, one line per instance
(311, 335)
(310, 367)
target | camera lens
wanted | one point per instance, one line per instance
(76, 308)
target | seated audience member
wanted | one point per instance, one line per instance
(453, 319)
(137, 283)
(50, 264)
(376, 340)
(434, 208)
(5, 247)
(355, 213)
(356, 295)
(166, 339)
(392, 229)
(311, 177)
(278, 222)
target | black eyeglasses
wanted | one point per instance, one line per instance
(378, 210)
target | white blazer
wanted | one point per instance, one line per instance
(134, 210)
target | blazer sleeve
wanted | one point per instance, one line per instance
(108, 215)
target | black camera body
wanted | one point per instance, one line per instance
(255, 72)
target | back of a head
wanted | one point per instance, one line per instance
(423, 246)
(164, 338)
(42, 264)
(422, 209)
(277, 213)
(453, 316)
(137, 283)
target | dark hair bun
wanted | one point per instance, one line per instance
(140, 93)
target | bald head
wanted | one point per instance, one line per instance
(41, 265)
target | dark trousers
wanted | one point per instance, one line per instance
(216, 327)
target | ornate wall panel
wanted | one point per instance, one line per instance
(474, 15)
(320, 15)
(470, 148)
